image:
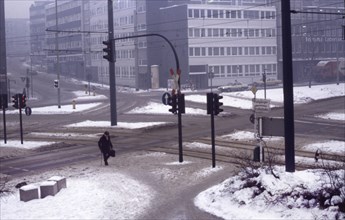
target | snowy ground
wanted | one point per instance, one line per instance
(87, 197)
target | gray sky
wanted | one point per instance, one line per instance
(17, 8)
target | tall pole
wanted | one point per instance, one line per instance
(288, 88)
(112, 77)
(57, 54)
(3, 65)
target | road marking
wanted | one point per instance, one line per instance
(15, 168)
(318, 123)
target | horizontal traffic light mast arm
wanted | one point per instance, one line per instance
(158, 35)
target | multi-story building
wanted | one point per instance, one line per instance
(128, 62)
(234, 43)
(236, 40)
(316, 28)
(17, 37)
(68, 42)
(38, 54)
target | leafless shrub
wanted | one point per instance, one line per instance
(3, 187)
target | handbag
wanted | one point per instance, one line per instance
(112, 153)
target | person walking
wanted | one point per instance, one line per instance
(105, 146)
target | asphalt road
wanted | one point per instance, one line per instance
(193, 126)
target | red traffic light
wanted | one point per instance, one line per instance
(15, 101)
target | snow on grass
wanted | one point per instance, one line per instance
(81, 95)
(266, 197)
(331, 146)
(159, 108)
(248, 136)
(127, 125)
(26, 144)
(65, 109)
(333, 116)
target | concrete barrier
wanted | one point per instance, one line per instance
(60, 180)
(48, 188)
(28, 192)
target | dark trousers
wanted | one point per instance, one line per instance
(105, 157)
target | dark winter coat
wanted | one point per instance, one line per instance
(105, 144)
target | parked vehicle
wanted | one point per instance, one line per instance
(328, 70)
(233, 87)
(269, 82)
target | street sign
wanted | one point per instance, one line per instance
(271, 127)
(166, 98)
(28, 111)
(254, 89)
(261, 105)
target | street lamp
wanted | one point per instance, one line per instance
(264, 80)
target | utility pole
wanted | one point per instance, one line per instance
(288, 88)
(57, 53)
(112, 76)
(3, 66)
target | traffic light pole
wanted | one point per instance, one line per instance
(21, 120)
(179, 113)
(112, 76)
(213, 141)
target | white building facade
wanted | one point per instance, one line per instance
(234, 43)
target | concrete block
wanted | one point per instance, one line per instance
(28, 192)
(48, 188)
(60, 180)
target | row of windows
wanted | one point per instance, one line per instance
(62, 7)
(243, 70)
(317, 47)
(232, 51)
(231, 32)
(232, 14)
(125, 71)
(317, 31)
(64, 20)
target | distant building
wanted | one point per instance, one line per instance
(203, 38)
(17, 37)
(232, 43)
(316, 29)
(73, 39)
(124, 12)
(38, 52)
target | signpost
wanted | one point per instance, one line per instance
(261, 105)
(166, 98)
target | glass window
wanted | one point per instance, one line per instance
(210, 53)
(209, 13)
(196, 13)
(191, 51)
(197, 51)
(215, 13)
(234, 51)
(216, 51)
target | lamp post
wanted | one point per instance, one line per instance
(57, 53)
(264, 80)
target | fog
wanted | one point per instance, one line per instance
(17, 8)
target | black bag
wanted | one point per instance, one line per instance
(112, 153)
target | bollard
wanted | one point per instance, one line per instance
(94, 93)
(73, 104)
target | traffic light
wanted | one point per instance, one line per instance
(217, 104)
(181, 104)
(15, 101)
(209, 103)
(109, 51)
(173, 104)
(56, 83)
(23, 101)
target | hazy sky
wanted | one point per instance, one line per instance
(17, 8)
